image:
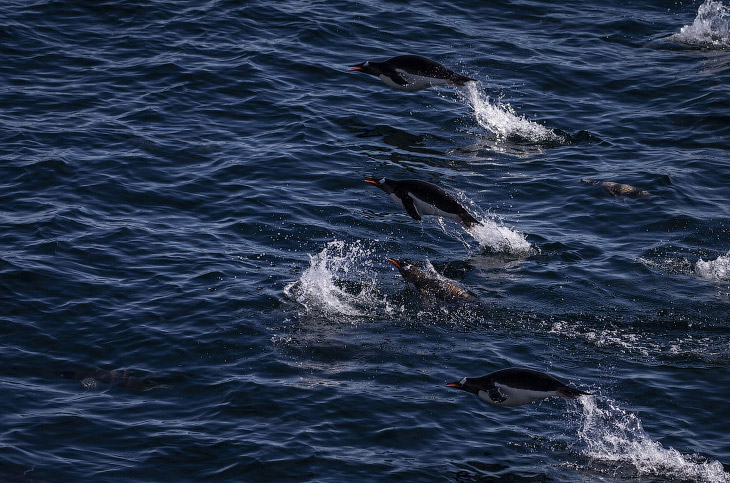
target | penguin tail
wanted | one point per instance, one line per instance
(460, 80)
(571, 392)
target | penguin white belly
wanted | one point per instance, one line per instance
(424, 208)
(511, 396)
(418, 82)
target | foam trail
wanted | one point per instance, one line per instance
(500, 120)
(616, 436)
(711, 27)
(337, 265)
(717, 270)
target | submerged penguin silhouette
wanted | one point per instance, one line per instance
(430, 284)
(515, 387)
(619, 189)
(91, 378)
(411, 73)
(422, 198)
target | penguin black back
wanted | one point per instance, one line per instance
(516, 386)
(430, 283)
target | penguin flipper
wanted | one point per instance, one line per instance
(496, 395)
(411, 208)
(397, 78)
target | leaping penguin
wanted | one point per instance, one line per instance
(422, 198)
(431, 284)
(515, 387)
(117, 377)
(411, 73)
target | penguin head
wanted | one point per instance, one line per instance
(366, 67)
(401, 266)
(467, 384)
(382, 183)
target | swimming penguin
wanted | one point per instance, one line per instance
(120, 378)
(422, 198)
(619, 189)
(514, 387)
(411, 73)
(431, 283)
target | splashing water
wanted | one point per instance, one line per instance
(498, 238)
(340, 280)
(614, 435)
(715, 270)
(501, 121)
(493, 235)
(711, 27)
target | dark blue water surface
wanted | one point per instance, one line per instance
(194, 282)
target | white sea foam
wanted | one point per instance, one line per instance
(500, 119)
(624, 339)
(711, 27)
(673, 264)
(717, 270)
(499, 238)
(613, 435)
(340, 280)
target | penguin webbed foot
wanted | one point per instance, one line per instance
(468, 221)
(572, 393)
(461, 82)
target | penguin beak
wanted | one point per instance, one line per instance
(371, 181)
(394, 263)
(356, 67)
(456, 384)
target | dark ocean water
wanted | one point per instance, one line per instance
(182, 199)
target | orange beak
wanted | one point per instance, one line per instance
(394, 262)
(454, 384)
(354, 68)
(370, 181)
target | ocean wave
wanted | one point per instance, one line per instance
(611, 434)
(711, 27)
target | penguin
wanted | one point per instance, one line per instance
(431, 284)
(120, 378)
(515, 387)
(411, 73)
(422, 198)
(619, 189)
